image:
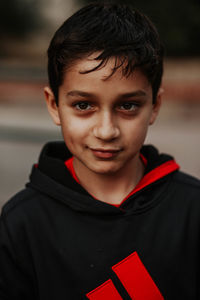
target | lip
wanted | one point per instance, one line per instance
(105, 153)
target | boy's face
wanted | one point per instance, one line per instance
(104, 122)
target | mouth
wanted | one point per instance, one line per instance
(105, 153)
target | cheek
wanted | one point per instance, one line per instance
(136, 130)
(74, 130)
(136, 127)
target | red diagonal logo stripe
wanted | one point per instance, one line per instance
(106, 291)
(136, 279)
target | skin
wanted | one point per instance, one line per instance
(104, 125)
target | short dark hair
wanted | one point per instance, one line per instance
(113, 30)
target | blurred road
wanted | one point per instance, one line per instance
(23, 131)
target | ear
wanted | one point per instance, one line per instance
(156, 106)
(51, 105)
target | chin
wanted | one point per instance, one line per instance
(105, 170)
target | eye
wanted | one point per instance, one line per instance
(128, 106)
(82, 106)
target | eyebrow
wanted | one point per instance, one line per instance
(138, 93)
(75, 93)
(79, 93)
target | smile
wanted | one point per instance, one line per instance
(105, 153)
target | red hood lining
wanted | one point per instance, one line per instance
(154, 175)
(69, 165)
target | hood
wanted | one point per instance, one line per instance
(52, 178)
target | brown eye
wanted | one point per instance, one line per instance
(83, 106)
(128, 106)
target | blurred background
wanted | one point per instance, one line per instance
(26, 27)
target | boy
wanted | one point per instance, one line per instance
(103, 217)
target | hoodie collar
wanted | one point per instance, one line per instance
(52, 172)
(153, 175)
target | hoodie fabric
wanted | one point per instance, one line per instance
(58, 242)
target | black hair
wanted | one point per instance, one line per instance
(113, 30)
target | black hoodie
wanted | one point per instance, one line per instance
(58, 242)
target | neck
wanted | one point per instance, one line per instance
(110, 188)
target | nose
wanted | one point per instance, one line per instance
(106, 128)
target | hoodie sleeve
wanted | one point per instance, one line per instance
(14, 282)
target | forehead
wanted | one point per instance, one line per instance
(76, 76)
(91, 61)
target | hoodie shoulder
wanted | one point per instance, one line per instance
(18, 200)
(187, 181)
(186, 191)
